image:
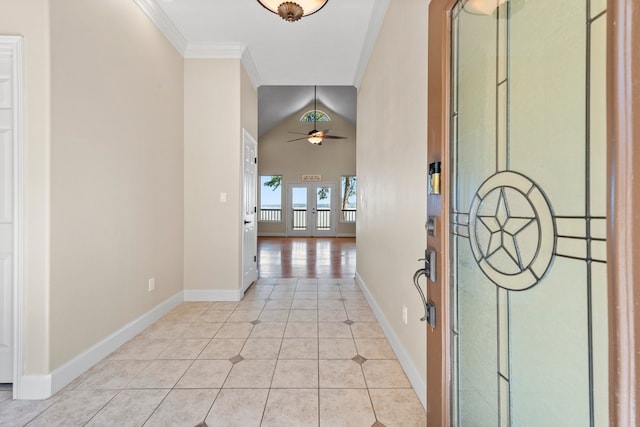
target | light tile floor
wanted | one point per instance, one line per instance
(293, 352)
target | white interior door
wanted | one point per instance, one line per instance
(250, 229)
(311, 209)
(9, 75)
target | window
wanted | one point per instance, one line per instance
(348, 199)
(271, 198)
(320, 116)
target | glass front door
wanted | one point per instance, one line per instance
(528, 209)
(311, 209)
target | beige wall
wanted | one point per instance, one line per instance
(392, 171)
(248, 105)
(332, 160)
(116, 171)
(30, 19)
(105, 200)
(219, 101)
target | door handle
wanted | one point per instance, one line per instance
(246, 222)
(429, 306)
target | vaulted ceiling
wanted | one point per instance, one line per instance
(284, 59)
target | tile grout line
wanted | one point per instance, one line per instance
(191, 365)
(186, 318)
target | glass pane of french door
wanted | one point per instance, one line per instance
(299, 208)
(324, 210)
(528, 202)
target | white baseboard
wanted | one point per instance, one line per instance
(418, 383)
(33, 387)
(213, 295)
(36, 387)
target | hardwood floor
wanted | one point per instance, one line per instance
(312, 257)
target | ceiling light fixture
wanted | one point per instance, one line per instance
(315, 139)
(292, 11)
(483, 7)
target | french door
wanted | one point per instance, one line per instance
(528, 206)
(311, 209)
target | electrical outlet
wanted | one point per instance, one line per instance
(404, 314)
(152, 284)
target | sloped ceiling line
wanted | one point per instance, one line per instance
(377, 17)
(164, 24)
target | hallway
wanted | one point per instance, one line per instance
(293, 352)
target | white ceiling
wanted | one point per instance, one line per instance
(329, 48)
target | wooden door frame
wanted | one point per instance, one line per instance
(623, 211)
(623, 226)
(438, 338)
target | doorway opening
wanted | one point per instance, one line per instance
(311, 209)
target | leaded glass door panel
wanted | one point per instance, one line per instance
(528, 209)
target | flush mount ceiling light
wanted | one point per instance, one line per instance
(292, 11)
(482, 7)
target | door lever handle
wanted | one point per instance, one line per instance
(246, 222)
(429, 307)
(416, 277)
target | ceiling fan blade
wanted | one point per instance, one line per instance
(334, 137)
(300, 133)
(298, 139)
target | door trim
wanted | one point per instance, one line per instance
(15, 44)
(623, 242)
(623, 251)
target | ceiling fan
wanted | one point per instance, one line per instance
(315, 136)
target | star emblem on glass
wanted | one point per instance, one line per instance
(512, 231)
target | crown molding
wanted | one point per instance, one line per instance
(251, 69)
(214, 50)
(164, 24)
(209, 50)
(377, 17)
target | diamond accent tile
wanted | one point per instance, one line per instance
(255, 322)
(341, 299)
(236, 359)
(349, 322)
(359, 359)
(376, 424)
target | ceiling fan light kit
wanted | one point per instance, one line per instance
(292, 11)
(315, 139)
